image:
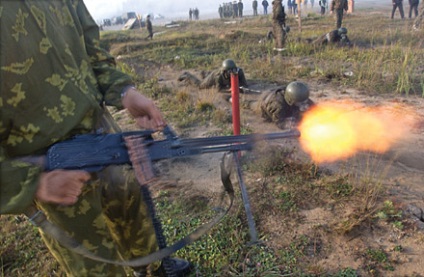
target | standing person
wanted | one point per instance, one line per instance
(413, 7)
(190, 14)
(53, 87)
(322, 4)
(294, 6)
(235, 9)
(278, 22)
(240, 8)
(221, 12)
(339, 7)
(397, 4)
(265, 6)
(149, 27)
(289, 7)
(255, 7)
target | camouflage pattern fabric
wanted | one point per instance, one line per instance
(221, 80)
(274, 107)
(332, 37)
(338, 7)
(278, 21)
(52, 88)
(110, 219)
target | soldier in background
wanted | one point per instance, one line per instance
(221, 12)
(235, 9)
(190, 14)
(285, 105)
(265, 4)
(240, 8)
(322, 4)
(255, 7)
(339, 7)
(219, 78)
(278, 23)
(397, 4)
(149, 27)
(413, 7)
(338, 37)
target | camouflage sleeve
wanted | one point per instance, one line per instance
(209, 81)
(18, 183)
(111, 81)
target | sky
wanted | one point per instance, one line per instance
(172, 9)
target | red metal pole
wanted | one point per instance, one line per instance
(235, 92)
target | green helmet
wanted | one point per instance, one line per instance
(342, 31)
(228, 64)
(296, 92)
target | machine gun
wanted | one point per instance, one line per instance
(93, 152)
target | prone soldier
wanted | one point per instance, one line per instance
(285, 104)
(219, 78)
(338, 37)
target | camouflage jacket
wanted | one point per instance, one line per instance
(54, 77)
(332, 37)
(221, 80)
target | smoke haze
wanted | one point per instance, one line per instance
(174, 9)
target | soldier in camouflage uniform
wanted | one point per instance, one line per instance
(278, 24)
(285, 104)
(219, 78)
(337, 37)
(339, 7)
(53, 87)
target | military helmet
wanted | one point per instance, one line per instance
(228, 64)
(287, 29)
(342, 31)
(296, 92)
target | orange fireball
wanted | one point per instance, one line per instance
(338, 130)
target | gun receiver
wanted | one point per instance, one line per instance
(92, 152)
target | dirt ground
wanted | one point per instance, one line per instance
(403, 177)
(400, 170)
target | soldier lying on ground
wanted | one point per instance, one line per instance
(219, 78)
(285, 105)
(338, 37)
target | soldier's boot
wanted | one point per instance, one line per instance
(181, 268)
